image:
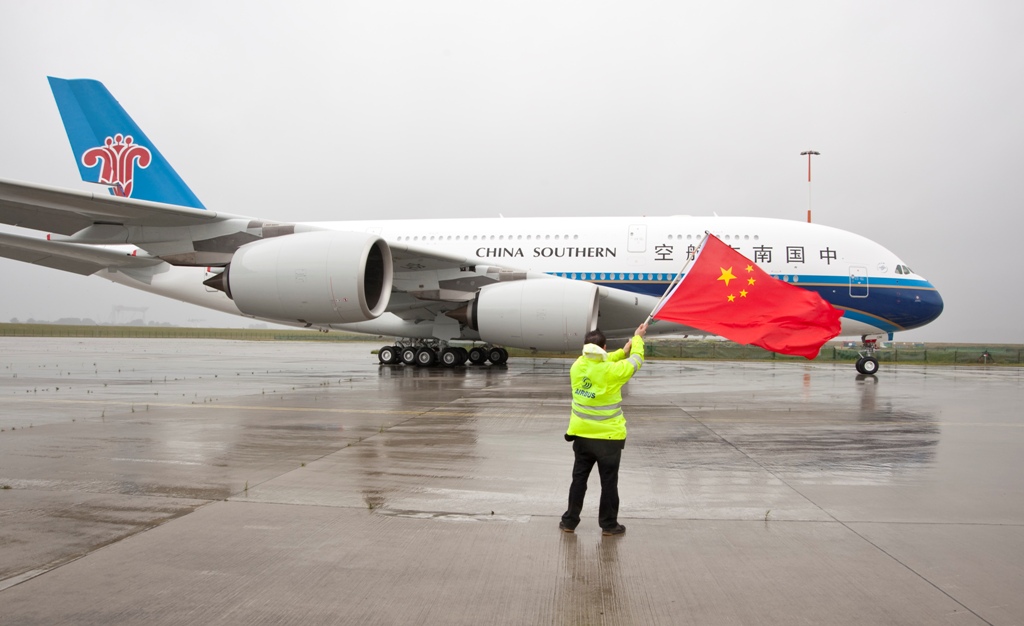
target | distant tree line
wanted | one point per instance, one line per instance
(79, 321)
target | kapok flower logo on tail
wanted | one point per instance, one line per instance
(118, 157)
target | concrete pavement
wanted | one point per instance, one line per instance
(186, 481)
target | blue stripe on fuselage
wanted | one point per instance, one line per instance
(891, 304)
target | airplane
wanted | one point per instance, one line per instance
(448, 290)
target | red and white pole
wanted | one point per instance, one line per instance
(809, 154)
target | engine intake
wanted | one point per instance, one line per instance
(538, 314)
(314, 278)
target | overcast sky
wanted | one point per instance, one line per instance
(316, 111)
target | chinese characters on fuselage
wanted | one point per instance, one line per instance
(762, 254)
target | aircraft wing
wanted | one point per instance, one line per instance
(178, 235)
(171, 232)
(67, 212)
(68, 257)
(427, 283)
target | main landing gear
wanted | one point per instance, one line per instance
(867, 364)
(433, 355)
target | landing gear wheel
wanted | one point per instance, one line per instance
(867, 365)
(409, 356)
(388, 355)
(426, 357)
(477, 356)
(498, 356)
(450, 357)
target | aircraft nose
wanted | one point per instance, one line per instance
(927, 307)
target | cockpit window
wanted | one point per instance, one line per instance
(903, 269)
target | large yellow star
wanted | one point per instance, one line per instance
(727, 275)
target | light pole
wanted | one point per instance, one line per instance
(809, 154)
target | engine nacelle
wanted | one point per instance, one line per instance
(539, 314)
(315, 278)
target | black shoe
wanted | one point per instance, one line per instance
(615, 530)
(566, 528)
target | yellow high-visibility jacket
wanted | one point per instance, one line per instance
(597, 378)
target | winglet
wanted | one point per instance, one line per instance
(111, 149)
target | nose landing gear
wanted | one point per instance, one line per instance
(867, 364)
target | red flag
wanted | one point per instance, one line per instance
(726, 294)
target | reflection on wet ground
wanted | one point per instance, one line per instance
(810, 468)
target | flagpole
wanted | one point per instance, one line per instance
(679, 277)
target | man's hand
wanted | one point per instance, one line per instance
(641, 330)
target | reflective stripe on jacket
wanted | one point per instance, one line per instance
(597, 379)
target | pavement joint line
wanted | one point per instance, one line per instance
(210, 405)
(906, 523)
(327, 454)
(428, 411)
(837, 520)
(912, 570)
(17, 579)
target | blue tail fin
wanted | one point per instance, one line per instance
(111, 149)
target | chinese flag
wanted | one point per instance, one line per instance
(726, 294)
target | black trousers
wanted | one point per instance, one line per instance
(606, 453)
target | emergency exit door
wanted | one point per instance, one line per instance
(858, 281)
(637, 238)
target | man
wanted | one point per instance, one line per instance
(597, 427)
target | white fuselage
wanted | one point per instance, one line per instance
(641, 255)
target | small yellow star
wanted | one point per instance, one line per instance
(751, 281)
(743, 293)
(727, 275)
(750, 268)
(732, 298)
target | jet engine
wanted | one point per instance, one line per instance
(539, 314)
(315, 278)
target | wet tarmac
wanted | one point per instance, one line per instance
(173, 481)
